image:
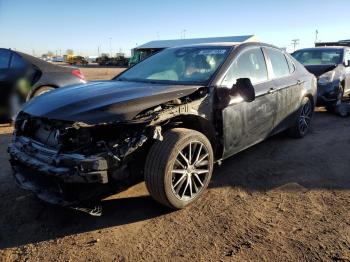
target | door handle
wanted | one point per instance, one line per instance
(299, 82)
(272, 90)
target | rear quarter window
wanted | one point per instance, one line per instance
(291, 65)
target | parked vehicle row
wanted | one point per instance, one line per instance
(331, 66)
(23, 77)
(166, 120)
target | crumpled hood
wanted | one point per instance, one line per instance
(104, 101)
(319, 70)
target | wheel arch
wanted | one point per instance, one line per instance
(312, 99)
(199, 124)
(32, 92)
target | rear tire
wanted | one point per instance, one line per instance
(178, 169)
(42, 90)
(303, 122)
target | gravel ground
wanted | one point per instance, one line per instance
(283, 199)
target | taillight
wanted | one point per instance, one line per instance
(78, 73)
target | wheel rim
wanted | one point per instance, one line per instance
(190, 171)
(305, 118)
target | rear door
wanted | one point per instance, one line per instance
(5, 77)
(288, 87)
(22, 73)
(245, 124)
(347, 70)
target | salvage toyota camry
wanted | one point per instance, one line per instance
(166, 120)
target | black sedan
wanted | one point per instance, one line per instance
(23, 76)
(331, 66)
(166, 120)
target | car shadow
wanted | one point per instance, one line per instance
(319, 161)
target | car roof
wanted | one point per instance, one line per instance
(323, 48)
(229, 44)
(43, 65)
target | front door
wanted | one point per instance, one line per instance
(246, 123)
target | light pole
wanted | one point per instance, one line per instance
(183, 34)
(98, 50)
(110, 46)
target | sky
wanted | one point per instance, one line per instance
(86, 26)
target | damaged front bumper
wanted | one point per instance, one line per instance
(64, 179)
(71, 168)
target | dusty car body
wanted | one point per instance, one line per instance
(71, 146)
(331, 66)
(23, 76)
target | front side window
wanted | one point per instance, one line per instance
(279, 63)
(319, 56)
(250, 64)
(185, 65)
(4, 59)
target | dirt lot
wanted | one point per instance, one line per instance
(100, 73)
(283, 199)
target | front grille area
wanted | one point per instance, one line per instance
(52, 133)
(47, 135)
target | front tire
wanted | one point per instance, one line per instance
(303, 122)
(178, 169)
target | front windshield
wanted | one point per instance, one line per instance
(319, 56)
(186, 65)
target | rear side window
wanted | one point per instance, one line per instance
(4, 59)
(250, 64)
(347, 56)
(18, 62)
(279, 63)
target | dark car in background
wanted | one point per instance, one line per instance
(23, 76)
(331, 66)
(166, 120)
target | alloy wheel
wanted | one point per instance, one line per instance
(305, 117)
(190, 171)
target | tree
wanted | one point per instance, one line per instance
(49, 54)
(69, 52)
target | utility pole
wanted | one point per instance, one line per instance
(295, 42)
(110, 46)
(98, 50)
(316, 37)
(183, 34)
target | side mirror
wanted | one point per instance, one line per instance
(245, 89)
(347, 63)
